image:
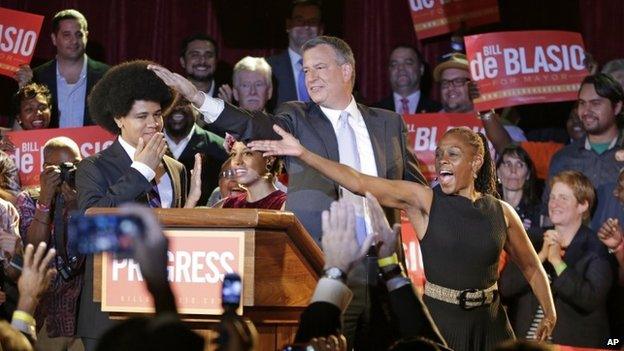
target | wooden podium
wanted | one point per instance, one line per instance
(282, 264)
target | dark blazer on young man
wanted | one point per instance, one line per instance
(107, 180)
(210, 146)
(424, 104)
(309, 192)
(284, 83)
(580, 293)
(46, 74)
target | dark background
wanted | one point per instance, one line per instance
(121, 30)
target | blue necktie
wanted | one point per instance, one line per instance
(301, 87)
(349, 155)
(153, 197)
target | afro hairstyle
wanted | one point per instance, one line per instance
(114, 95)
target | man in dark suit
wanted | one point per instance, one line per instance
(71, 75)
(379, 137)
(303, 24)
(405, 70)
(199, 56)
(185, 139)
(129, 102)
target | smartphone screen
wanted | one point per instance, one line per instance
(99, 233)
(231, 290)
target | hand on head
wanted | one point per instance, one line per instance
(36, 276)
(288, 146)
(387, 237)
(179, 84)
(152, 152)
(339, 239)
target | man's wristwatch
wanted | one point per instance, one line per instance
(486, 116)
(335, 273)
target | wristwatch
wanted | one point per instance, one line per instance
(335, 273)
(486, 116)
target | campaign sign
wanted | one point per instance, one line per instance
(19, 32)
(198, 259)
(424, 130)
(515, 68)
(28, 153)
(436, 17)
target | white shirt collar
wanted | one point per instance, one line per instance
(83, 72)
(413, 98)
(129, 149)
(333, 115)
(177, 148)
(185, 139)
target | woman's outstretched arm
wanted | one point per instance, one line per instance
(522, 253)
(390, 193)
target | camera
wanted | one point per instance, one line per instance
(68, 173)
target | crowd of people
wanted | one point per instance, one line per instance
(525, 243)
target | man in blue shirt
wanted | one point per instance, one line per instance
(71, 75)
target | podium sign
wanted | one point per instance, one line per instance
(197, 261)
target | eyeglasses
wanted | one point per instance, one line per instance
(457, 82)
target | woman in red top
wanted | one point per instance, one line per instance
(255, 174)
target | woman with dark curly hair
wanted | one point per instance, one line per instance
(462, 227)
(129, 102)
(31, 107)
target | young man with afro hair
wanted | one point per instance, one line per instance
(129, 101)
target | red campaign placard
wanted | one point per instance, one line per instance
(515, 68)
(436, 17)
(28, 154)
(19, 32)
(198, 259)
(424, 130)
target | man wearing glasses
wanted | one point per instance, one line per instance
(453, 75)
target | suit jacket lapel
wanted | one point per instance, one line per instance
(376, 130)
(175, 183)
(324, 130)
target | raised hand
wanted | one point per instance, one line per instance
(23, 75)
(611, 234)
(150, 251)
(196, 183)
(385, 235)
(35, 278)
(288, 146)
(151, 153)
(225, 93)
(179, 84)
(339, 240)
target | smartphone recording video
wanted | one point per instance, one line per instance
(231, 290)
(100, 233)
